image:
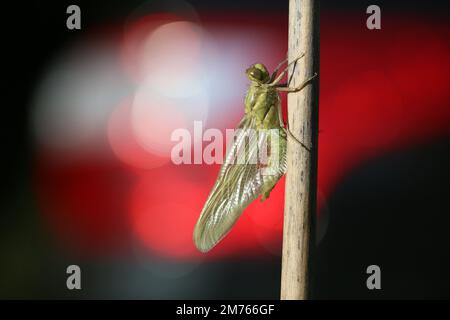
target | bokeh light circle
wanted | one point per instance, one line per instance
(123, 142)
(155, 117)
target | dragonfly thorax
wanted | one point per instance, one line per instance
(261, 103)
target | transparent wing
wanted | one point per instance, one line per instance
(241, 180)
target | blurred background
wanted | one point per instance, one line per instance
(87, 177)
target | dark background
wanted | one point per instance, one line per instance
(391, 210)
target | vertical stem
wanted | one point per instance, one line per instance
(300, 196)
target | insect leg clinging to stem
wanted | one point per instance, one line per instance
(290, 90)
(281, 75)
(277, 68)
(286, 88)
(299, 87)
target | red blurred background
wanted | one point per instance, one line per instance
(379, 91)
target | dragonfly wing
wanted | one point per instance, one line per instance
(240, 182)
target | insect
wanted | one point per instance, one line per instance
(241, 182)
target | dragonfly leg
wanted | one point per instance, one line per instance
(285, 128)
(299, 87)
(295, 139)
(277, 68)
(281, 75)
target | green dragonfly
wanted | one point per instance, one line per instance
(241, 182)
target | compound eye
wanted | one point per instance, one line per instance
(256, 74)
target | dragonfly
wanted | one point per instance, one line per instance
(240, 182)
